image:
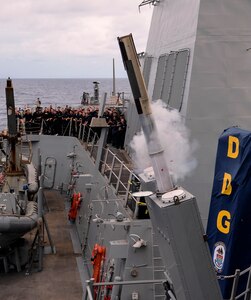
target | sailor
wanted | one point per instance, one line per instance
(28, 120)
(38, 103)
(85, 97)
(58, 121)
(121, 132)
(47, 117)
(37, 118)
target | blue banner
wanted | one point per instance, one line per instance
(229, 222)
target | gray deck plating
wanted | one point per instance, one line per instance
(60, 278)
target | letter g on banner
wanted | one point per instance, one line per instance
(223, 221)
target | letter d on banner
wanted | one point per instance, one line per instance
(226, 184)
(233, 147)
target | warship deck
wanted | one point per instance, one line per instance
(60, 277)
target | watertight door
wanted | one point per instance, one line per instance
(49, 172)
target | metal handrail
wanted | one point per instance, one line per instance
(236, 277)
(112, 166)
(115, 170)
(91, 284)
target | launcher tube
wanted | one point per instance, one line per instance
(140, 95)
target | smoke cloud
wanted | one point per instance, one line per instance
(174, 138)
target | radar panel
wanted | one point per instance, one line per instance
(160, 75)
(171, 78)
(179, 79)
(147, 68)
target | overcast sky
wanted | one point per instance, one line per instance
(68, 38)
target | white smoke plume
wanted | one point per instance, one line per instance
(174, 138)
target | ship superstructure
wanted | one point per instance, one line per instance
(197, 60)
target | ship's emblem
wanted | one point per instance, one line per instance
(219, 256)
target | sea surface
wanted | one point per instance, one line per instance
(56, 92)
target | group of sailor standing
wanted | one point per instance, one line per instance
(67, 121)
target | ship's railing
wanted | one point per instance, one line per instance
(26, 151)
(92, 288)
(90, 138)
(29, 128)
(245, 295)
(120, 176)
(68, 128)
(118, 173)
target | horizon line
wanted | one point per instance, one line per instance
(94, 78)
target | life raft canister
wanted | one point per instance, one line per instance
(75, 204)
(98, 257)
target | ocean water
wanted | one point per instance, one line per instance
(56, 92)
